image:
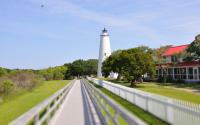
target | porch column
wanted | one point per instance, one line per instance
(193, 73)
(187, 73)
(198, 73)
(173, 72)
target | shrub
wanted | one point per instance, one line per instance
(24, 79)
(6, 86)
(162, 79)
(170, 79)
(180, 81)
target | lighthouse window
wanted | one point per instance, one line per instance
(105, 54)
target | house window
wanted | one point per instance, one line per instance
(199, 72)
(170, 72)
(164, 72)
(195, 73)
(176, 73)
(183, 73)
(173, 58)
(156, 73)
(160, 72)
(190, 73)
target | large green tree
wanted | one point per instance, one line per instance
(91, 66)
(140, 62)
(132, 64)
(194, 50)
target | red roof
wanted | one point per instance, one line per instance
(174, 50)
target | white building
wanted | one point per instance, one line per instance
(178, 69)
(104, 50)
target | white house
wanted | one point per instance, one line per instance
(187, 71)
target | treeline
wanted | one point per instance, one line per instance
(70, 70)
(11, 80)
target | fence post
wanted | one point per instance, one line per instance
(36, 119)
(170, 111)
(147, 99)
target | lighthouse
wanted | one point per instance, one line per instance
(104, 50)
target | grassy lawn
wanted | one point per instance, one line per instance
(16, 104)
(147, 117)
(169, 90)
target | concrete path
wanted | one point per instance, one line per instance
(77, 109)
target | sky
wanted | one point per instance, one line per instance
(32, 36)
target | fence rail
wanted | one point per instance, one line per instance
(173, 111)
(108, 110)
(42, 113)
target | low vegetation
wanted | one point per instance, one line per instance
(17, 103)
(20, 89)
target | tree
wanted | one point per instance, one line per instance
(194, 50)
(131, 64)
(140, 62)
(78, 68)
(91, 66)
(83, 67)
(47, 74)
(53, 73)
(114, 64)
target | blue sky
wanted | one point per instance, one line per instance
(65, 30)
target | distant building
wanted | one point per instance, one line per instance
(175, 68)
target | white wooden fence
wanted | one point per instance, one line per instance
(173, 111)
(102, 104)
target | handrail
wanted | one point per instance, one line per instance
(168, 109)
(101, 102)
(42, 112)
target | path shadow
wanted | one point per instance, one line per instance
(88, 117)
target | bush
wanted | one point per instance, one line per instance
(180, 81)
(6, 86)
(162, 79)
(24, 79)
(170, 79)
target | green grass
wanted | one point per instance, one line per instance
(147, 117)
(16, 104)
(169, 89)
(171, 92)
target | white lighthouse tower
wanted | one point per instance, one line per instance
(104, 50)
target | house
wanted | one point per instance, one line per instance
(175, 68)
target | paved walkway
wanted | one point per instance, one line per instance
(77, 109)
